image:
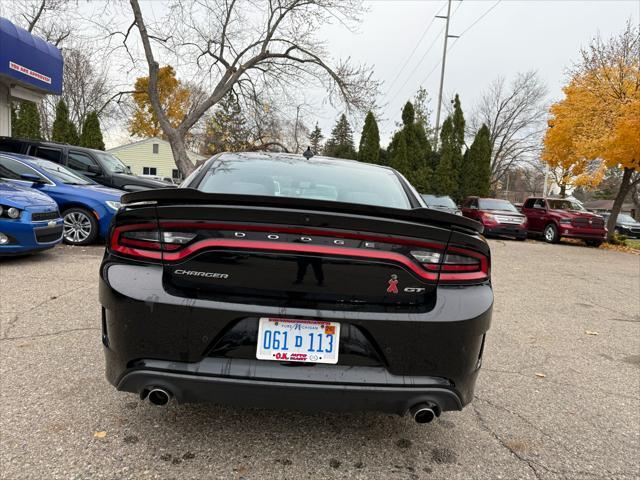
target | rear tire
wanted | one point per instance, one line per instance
(551, 234)
(80, 227)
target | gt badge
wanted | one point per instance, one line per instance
(393, 284)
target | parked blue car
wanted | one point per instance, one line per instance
(87, 207)
(29, 220)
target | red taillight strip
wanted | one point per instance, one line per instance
(132, 242)
(482, 274)
(459, 268)
(300, 231)
(297, 247)
(116, 246)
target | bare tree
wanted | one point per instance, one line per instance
(49, 19)
(265, 44)
(516, 115)
(86, 87)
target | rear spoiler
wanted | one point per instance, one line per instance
(164, 196)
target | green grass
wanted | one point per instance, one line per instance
(633, 243)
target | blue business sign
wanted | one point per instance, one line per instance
(28, 60)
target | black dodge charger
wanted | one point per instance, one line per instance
(273, 280)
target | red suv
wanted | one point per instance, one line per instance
(499, 217)
(559, 217)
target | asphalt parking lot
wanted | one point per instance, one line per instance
(559, 395)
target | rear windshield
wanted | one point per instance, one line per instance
(319, 179)
(493, 204)
(564, 205)
(434, 201)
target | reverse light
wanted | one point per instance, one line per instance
(428, 257)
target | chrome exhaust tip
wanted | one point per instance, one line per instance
(424, 413)
(159, 396)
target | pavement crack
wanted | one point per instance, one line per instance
(14, 320)
(530, 463)
(525, 420)
(53, 334)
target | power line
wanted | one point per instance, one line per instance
(435, 40)
(456, 40)
(406, 62)
(479, 18)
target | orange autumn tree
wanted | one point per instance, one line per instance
(174, 97)
(596, 126)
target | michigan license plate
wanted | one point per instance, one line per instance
(287, 340)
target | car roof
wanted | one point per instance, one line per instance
(48, 143)
(296, 157)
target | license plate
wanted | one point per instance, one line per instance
(287, 340)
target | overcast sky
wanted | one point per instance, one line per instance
(514, 36)
(499, 38)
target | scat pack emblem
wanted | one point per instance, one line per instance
(393, 284)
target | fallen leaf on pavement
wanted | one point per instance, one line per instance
(540, 375)
(589, 332)
(99, 434)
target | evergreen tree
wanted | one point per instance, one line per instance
(25, 121)
(64, 131)
(457, 136)
(315, 140)
(369, 150)
(398, 157)
(413, 161)
(384, 156)
(475, 176)
(422, 179)
(445, 179)
(30, 120)
(458, 122)
(91, 136)
(226, 131)
(340, 144)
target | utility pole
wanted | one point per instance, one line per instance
(444, 60)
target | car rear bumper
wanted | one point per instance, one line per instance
(155, 339)
(247, 383)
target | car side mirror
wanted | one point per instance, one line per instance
(94, 169)
(30, 177)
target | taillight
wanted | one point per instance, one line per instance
(457, 264)
(142, 240)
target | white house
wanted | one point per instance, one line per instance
(151, 156)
